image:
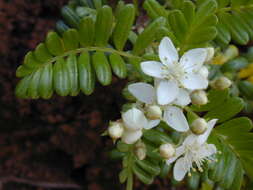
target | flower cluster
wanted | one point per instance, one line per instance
(177, 83)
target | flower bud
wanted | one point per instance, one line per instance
(154, 112)
(199, 97)
(204, 72)
(167, 151)
(210, 54)
(199, 126)
(140, 150)
(221, 83)
(231, 52)
(115, 130)
(130, 137)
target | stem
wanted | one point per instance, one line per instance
(103, 49)
(129, 181)
(129, 168)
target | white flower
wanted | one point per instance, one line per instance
(173, 116)
(176, 73)
(116, 130)
(134, 121)
(193, 151)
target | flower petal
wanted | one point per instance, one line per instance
(167, 52)
(204, 71)
(183, 98)
(130, 137)
(194, 81)
(143, 92)
(190, 140)
(175, 118)
(166, 92)
(193, 59)
(179, 151)
(152, 124)
(203, 138)
(134, 119)
(153, 68)
(180, 169)
(207, 150)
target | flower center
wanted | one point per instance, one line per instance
(193, 158)
(174, 72)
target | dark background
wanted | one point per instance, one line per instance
(47, 142)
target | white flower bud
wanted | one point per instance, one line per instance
(115, 130)
(221, 83)
(199, 126)
(210, 54)
(204, 72)
(199, 97)
(130, 137)
(140, 150)
(154, 112)
(167, 151)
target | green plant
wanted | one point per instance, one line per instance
(93, 42)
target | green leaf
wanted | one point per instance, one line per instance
(61, 27)
(157, 137)
(30, 62)
(142, 175)
(86, 31)
(246, 89)
(149, 166)
(86, 74)
(148, 35)
(61, 77)
(123, 176)
(243, 123)
(193, 181)
(235, 21)
(193, 26)
(238, 34)
(223, 36)
(23, 71)
(70, 16)
(102, 68)
(103, 26)
(97, 4)
(118, 65)
(215, 98)
(22, 86)
(46, 82)
(179, 24)
(71, 66)
(238, 179)
(227, 110)
(154, 9)
(41, 53)
(93, 34)
(188, 10)
(229, 172)
(70, 39)
(123, 26)
(54, 44)
(235, 138)
(32, 90)
(165, 168)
